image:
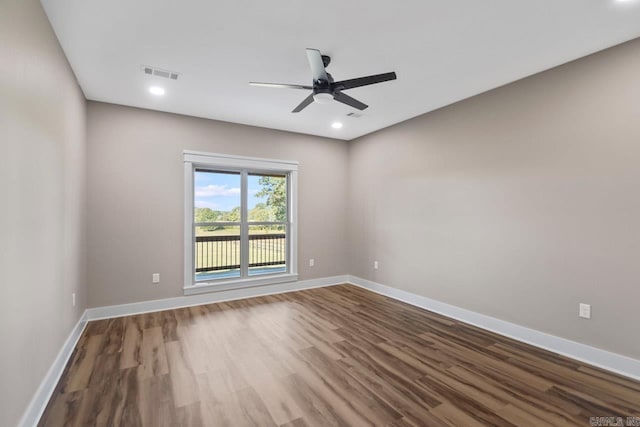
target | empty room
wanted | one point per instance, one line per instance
(249, 213)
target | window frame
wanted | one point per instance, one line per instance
(244, 165)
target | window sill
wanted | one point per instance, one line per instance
(227, 285)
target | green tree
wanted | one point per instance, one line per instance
(232, 216)
(274, 189)
(261, 213)
(206, 215)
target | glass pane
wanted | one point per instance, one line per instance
(267, 198)
(217, 253)
(267, 249)
(216, 196)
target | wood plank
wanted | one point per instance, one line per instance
(153, 354)
(82, 364)
(132, 342)
(183, 382)
(156, 401)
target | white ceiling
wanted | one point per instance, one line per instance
(443, 51)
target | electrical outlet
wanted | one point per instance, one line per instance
(155, 278)
(585, 311)
(73, 299)
(312, 262)
(375, 265)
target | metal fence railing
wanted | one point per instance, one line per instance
(215, 253)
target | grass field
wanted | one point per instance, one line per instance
(235, 231)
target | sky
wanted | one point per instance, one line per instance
(221, 191)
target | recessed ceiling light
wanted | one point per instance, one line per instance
(156, 90)
(336, 125)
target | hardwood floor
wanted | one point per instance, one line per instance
(337, 356)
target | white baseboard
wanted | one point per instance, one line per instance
(613, 362)
(211, 297)
(594, 356)
(40, 400)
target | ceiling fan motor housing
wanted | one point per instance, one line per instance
(323, 89)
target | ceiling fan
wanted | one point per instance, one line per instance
(324, 88)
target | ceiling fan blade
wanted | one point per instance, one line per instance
(317, 66)
(308, 100)
(364, 81)
(278, 85)
(346, 99)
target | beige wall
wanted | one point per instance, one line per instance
(136, 186)
(42, 196)
(519, 203)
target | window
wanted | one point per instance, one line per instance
(240, 222)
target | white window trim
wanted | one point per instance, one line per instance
(194, 159)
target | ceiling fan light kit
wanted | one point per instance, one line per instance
(322, 97)
(324, 88)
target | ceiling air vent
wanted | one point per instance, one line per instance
(159, 72)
